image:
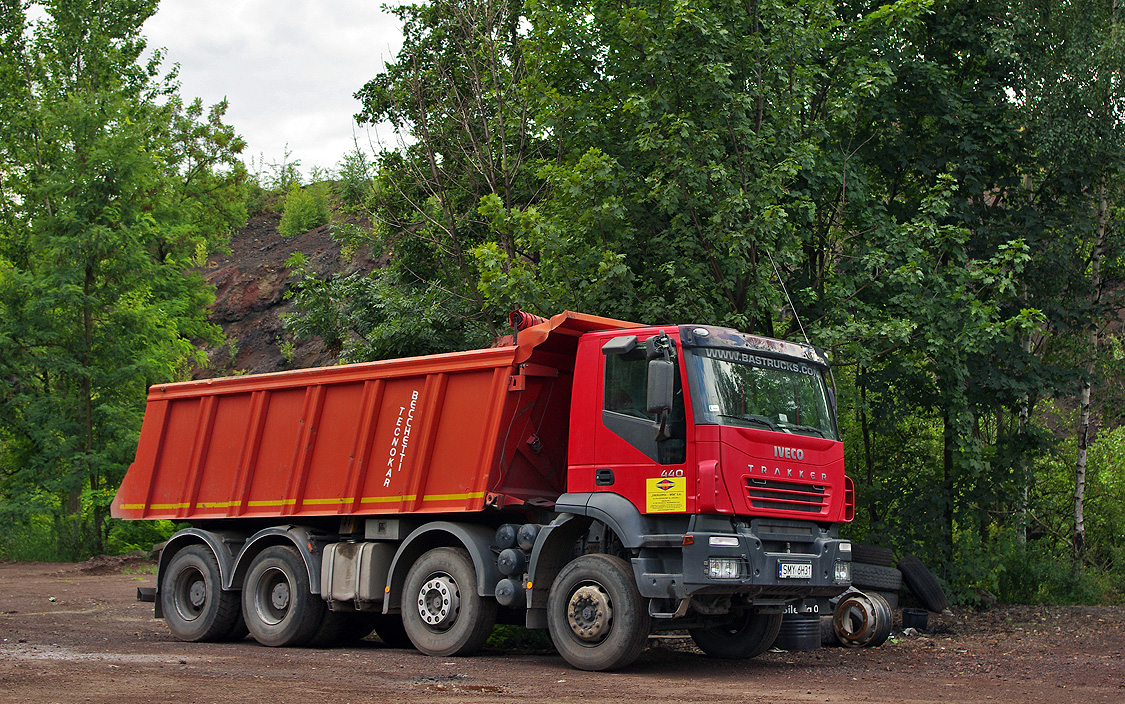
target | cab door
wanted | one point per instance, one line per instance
(630, 459)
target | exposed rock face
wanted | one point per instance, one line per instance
(250, 285)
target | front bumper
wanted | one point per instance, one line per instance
(776, 561)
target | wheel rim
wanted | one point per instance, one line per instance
(439, 601)
(854, 619)
(273, 596)
(191, 593)
(590, 613)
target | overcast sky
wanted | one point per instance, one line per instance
(288, 68)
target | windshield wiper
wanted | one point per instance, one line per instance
(818, 431)
(760, 420)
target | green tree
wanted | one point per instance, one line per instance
(305, 208)
(112, 189)
(1073, 107)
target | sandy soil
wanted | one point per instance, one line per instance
(75, 633)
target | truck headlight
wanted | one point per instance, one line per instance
(843, 571)
(724, 568)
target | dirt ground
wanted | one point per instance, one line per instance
(75, 633)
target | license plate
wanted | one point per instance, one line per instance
(794, 570)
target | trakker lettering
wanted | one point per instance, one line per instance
(791, 473)
(789, 453)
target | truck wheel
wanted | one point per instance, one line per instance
(597, 619)
(745, 636)
(331, 630)
(239, 630)
(192, 597)
(279, 608)
(441, 610)
(390, 630)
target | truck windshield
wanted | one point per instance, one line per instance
(749, 390)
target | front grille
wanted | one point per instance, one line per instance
(785, 496)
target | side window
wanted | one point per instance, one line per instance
(626, 385)
(626, 408)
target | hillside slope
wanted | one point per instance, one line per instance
(250, 284)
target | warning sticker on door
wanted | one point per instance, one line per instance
(666, 495)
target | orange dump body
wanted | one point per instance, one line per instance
(438, 434)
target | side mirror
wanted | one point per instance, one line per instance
(660, 382)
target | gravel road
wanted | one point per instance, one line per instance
(75, 633)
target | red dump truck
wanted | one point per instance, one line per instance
(594, 477)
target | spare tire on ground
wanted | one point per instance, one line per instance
(890, 597)
(922, 584)
(887, 579)
(873, 554)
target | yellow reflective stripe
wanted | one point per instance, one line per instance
(386, 499)
(335, 501)
(453, 497)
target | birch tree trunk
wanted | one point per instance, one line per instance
(1084, 398)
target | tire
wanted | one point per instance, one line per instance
(875, 577)
(239, 630)
(191, 594)
(827, 632)
(890, 597)
(357, 625)
(390, 630)
(332, 629)
(873, 554)
(922, 584)
(279, 608)
(597, 619)
(745, 636)
(442, 613)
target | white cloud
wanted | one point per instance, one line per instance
(289, 68)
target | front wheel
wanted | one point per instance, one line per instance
(745, 636)
(277, 603)
(597, 619)
(442, 613)
(192, 598)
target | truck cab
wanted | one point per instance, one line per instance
(714, 459)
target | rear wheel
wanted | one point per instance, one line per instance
(597, 619)
(390, 630)
(192, 597)
(747, 635)
(279, 608)
(441, 610)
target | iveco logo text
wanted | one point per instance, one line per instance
(789, 453)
